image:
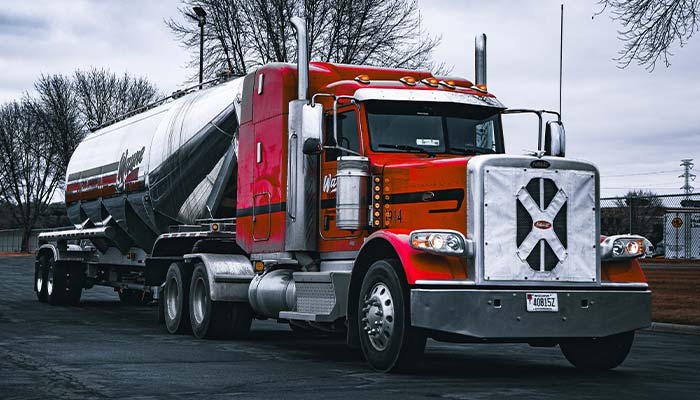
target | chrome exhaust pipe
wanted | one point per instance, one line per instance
(480, 59)
(302, 58)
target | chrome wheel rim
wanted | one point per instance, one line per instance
(49, 281)
(199, 300)
(378, 316)
(39, 280)
(171, 298)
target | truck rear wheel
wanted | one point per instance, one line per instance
(40, 280)
(598, 354)
(387, 339)
(176, 296)
(215, 319)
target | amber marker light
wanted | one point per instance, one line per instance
(408, 80)
(214, 227)
(481, 87)
(259, 266)
(431, 81)
(364, 78)
(450, 84)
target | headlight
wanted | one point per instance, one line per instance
(621, 247)
(443, 242)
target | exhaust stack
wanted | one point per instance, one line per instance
(302, 58)
(480, 58)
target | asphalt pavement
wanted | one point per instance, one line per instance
(103, 349)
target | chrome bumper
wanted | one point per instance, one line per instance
(502, 314)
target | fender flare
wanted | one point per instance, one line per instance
(229, 275)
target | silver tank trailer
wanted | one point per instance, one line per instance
(169, 165)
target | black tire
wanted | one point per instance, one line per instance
(135, 297)
(160, 318)
(40, 271)
(598, 354)
(56, 283)
(176, 298)
(215, 319)
(393, 344)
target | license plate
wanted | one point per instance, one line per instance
(537, 302)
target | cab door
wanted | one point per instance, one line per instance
(349, 138)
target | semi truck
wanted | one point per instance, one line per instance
(376, 203)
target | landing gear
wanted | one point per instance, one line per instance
(387, 339)
(598, 354)
(215, 319)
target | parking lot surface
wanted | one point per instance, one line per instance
(103, 349)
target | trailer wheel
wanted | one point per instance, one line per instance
(387, 339)
(598, 354)
(56, 283)
(40, 280)
(176, 296)
(215, 319)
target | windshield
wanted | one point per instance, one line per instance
(429, 127)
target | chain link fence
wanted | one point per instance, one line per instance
(670, 222)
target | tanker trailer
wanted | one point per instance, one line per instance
(130, 181)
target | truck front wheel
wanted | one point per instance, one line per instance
(177, 285)
(598, 354)
(215, 319)
(387, 339)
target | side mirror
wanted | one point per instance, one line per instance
(312, 124)
(312, 146)
(555, 139)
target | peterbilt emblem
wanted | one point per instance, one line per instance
(127, 165)
(541, 218)
(542, 224)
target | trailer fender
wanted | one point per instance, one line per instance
(229, 275)
(52, 250)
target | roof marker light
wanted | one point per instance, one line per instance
(431, 81)
(480, 87)
(364, 78)
(450, 84)
(408, 80)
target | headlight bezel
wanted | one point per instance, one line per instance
(622, 247)
(450, 242)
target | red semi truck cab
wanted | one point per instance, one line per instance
(378, 202)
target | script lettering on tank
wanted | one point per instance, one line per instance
(128, 164)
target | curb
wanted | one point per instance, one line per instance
(661, 327)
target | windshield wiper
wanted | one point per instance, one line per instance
(406, 147)
(471, 149)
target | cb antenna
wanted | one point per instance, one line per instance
(561, 50)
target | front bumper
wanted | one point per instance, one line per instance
(502, 314)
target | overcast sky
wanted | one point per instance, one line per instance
(627, 122)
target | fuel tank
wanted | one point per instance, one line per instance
(168, 165)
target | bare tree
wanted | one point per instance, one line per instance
(29, 176)
(651, 27)
(102, 95)
(241, 35)
(55, 110)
